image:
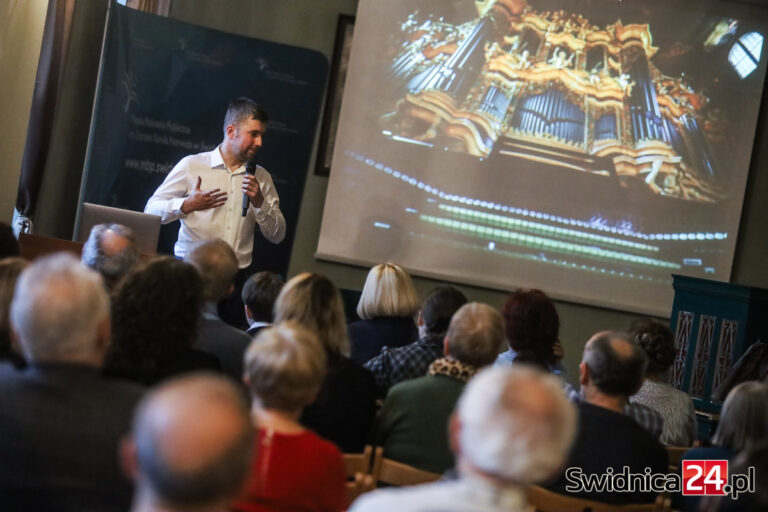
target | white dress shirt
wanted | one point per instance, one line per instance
(226, 221)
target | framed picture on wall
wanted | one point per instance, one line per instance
(339, 64)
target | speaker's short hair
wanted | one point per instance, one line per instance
(242, 109)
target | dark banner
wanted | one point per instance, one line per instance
(164, 89)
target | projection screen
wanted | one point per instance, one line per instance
(587, 148)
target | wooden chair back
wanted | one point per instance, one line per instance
(34, 246)
(395, 473)
(543, 500)
(358, 462)
(358, 468)
(674, 455)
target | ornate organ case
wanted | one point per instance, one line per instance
(714, 324)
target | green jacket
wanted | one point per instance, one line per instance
(413, 423)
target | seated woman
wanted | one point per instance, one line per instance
(743, 425)
(675, 406)
(532, 326)
(344, 409)
(751, 459)
(156, 312)
(292, 468)
(387, 307)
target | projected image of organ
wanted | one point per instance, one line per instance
(574, 146)
(551, 86)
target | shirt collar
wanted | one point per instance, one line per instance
(210, 310)
(217, 161)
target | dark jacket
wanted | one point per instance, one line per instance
(608, 439)
(60, 429)
(345, 406)
(368, 337)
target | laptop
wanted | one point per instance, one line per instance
(146, 226)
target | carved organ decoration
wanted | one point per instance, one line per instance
(552, 87)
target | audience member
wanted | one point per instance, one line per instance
(611, 370)
(155, 318)
(60, 420)
(190, 446)
(293, 468)
(10, 269)
(532, 327)
(386, 308)
(217, 263)
(111, 251)
(512, 427)
(9, 245)
(412, 424)
(646, 417)
(755, 457)
(397, 364)
(743, 425)
(260, 292)
(345, 405)
(675, 406)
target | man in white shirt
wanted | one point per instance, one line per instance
(513, 426)
(204, 191)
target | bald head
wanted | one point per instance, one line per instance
(515, 423)
(476, 334)
(111, 250)
(113, 243)
(192, 439)
(217, 264)
(616, 365)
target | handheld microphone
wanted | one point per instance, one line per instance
(250, 169)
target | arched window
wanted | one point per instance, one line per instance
(745, 53)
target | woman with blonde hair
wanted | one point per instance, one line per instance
(345, 405)
(292, 467)
(387, 307)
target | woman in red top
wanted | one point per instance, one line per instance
(293, 469)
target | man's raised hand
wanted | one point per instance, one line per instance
(203, 199)
(252, 189)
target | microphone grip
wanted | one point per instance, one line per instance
(250, 170)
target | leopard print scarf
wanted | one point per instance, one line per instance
(452, 368)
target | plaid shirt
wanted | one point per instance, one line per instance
(397, 364)
(649, 419)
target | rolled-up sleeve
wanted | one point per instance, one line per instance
(170, 195)
(269, 217)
